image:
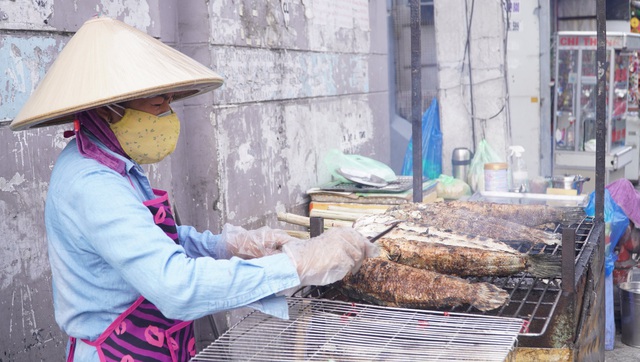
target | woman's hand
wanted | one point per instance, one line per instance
(329, 257)
(249, 244)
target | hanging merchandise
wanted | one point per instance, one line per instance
(634, 12)
(518, 170)
(634, 82)
(571, 132)
(431, 145)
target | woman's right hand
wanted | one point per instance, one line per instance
(329, 257)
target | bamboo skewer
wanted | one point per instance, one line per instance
(305, 221)
(298, 234)
(365, 211)
(294, 219)
(339, 215)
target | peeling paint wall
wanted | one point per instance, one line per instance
(26, 159)
(510, 97)
(489, 88)
(301, 77)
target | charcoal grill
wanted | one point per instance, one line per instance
(533, 300)
(545, 319)
(550, 315)
(556, 312)
(325, 330)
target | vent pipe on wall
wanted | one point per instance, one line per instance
(416, 100)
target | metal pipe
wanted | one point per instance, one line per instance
(601, 107)
(467, 49)
(568, 260)
(601, 131)
(316, 226)
(416, 100)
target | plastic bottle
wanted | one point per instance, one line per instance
(519, 174)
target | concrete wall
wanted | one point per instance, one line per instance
(486, 53)
(527, 96)
(505, 97)
(302, 77)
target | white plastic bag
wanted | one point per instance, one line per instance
(450, 188)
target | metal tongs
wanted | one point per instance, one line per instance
(384, 232)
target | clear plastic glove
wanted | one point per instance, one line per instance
(249, 244)
(329, 257)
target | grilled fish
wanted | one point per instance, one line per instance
(468, 222)
(463, 255)
(384, 282)
(529, 215)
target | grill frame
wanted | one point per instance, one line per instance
(321, 330)
(563, 322)
(541, 298)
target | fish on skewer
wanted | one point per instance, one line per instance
(525, 214)
(468, 222)
(463, 255)
(383, 282)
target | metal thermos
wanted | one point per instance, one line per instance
(460, 161)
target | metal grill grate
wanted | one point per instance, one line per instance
(533, 300)
(323, 330)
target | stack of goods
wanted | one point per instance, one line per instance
(340, 203)
(349, 201)
(428, 256)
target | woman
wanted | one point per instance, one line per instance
(127, 281)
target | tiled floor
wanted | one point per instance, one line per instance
(622, 353)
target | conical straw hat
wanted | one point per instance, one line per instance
(106, 62)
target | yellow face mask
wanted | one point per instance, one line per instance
(147, 138)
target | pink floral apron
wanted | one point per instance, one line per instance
(142, 333)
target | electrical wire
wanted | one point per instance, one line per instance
(466, 59)
(467, 50)
(506, 19)
(466, 64)
(505, 105)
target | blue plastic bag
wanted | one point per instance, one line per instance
(431, 145)
(616, 222)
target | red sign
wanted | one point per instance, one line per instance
(587, 41)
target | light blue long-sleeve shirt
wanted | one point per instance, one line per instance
(105, 251)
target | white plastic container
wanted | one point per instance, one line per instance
(495, 177)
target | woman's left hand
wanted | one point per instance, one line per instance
(249, 244)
